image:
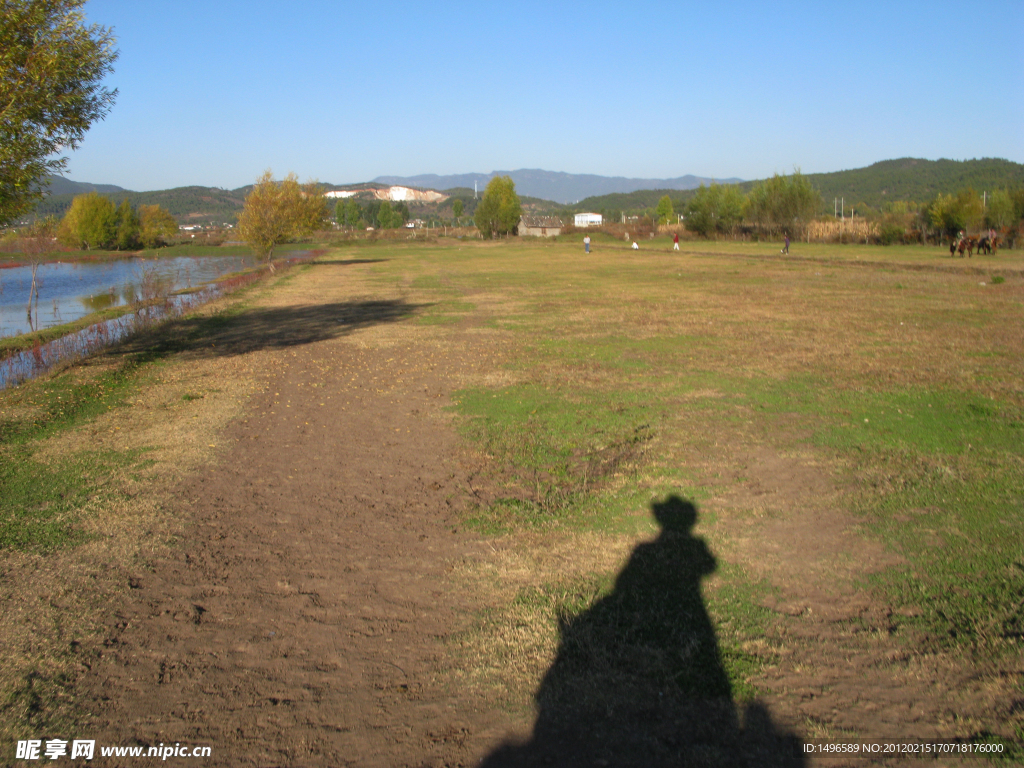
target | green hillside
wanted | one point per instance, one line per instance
(905, 179)
(633, 201)
(918, 180)
(199, 205)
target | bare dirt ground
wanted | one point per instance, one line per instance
(300, 619)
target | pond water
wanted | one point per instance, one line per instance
(71, 290)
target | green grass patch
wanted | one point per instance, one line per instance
(65, 401)
(940, 478)
(555, 454)
(41, 503)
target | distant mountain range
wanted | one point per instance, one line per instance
(563, 188)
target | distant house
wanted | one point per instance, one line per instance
(539, 226)
(589, 220)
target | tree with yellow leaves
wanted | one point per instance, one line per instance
(277, 211)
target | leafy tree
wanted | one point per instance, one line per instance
(1017, 196)
(156, 225)
(91, 222)
(51, 72)
(1000, 211)
(664, 210)
(714, 209)
(457, 209)
(783, 203)
(339, 211)
(276, 211)
(385, 215)
(127, 236)
(951, 215)
(499, 211)
(401, 213)
(353, 213)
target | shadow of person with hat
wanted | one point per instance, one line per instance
(639, 680)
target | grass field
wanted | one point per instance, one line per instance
(848, 424)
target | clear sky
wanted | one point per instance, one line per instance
(215, 92)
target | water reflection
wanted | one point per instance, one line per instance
(156, 304)
(98, 302)
(78, 288)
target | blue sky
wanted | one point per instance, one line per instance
(215, 92)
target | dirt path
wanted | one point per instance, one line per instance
(301, 619)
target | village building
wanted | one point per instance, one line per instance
(589, 220)
(539, 226)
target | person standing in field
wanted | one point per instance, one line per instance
(785, 248)
(586, 243)
(675, 242)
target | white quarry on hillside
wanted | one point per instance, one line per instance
(394, 193)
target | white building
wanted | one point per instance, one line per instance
(589, 220)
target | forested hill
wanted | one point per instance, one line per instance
(918, 180)
(905, 179)
(58, 185)
(200, 205)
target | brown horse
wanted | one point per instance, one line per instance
(984, 246)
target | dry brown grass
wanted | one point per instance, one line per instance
(504, 655)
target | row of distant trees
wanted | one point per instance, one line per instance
(93, 221)
(776, 205)
(786, 204)
(947, 215)
(380, 214)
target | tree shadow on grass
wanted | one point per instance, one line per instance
(268, 328)
(639, 680)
